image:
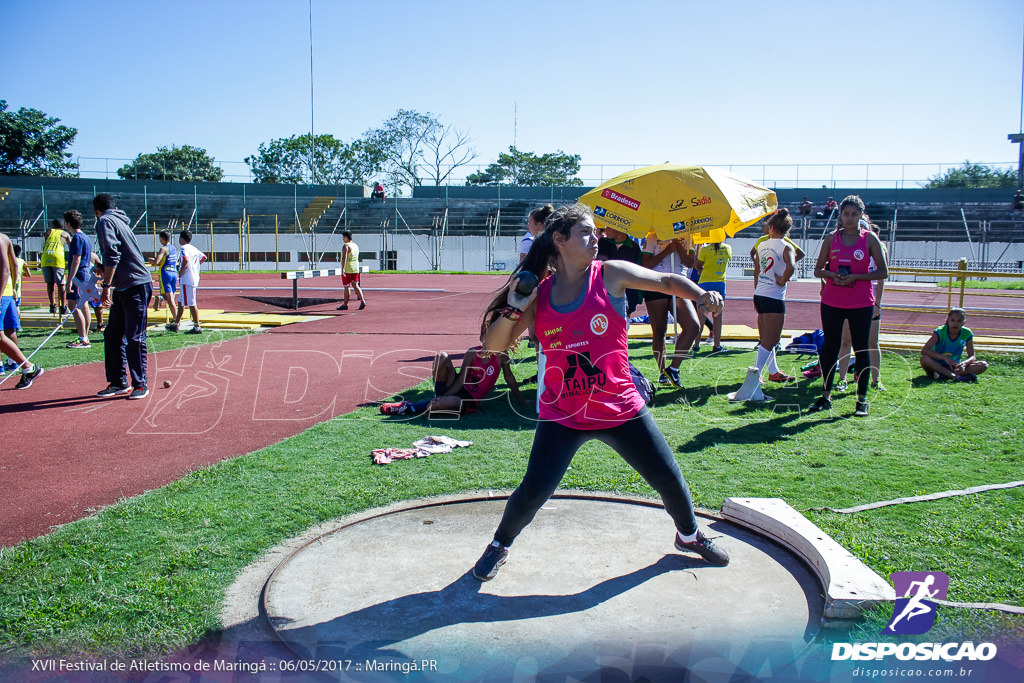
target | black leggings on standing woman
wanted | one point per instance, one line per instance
(638, 441)
(832, 320)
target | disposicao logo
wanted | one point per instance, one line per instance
(914, 612)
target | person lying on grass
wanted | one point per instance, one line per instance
(462, 390)
(941, 355)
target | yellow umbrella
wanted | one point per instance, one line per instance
(706, 204)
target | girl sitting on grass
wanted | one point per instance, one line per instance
(941, 354)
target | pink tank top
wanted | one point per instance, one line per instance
(482, 375)
(587, 384)
(854, 260)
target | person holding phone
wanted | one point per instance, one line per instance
(848, 296)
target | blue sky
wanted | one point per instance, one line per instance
(714, 82)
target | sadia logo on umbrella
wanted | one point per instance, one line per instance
(914, 613)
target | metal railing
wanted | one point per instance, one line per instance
(777, 176)
(452, 239)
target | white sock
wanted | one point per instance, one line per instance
(763, 355)
(687, 539)
(773, 367)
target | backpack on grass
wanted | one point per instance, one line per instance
(809, 342)
(643, 385)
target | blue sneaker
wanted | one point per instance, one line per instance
(490, 562)
(673, 377)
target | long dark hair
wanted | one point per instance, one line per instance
(541, 258)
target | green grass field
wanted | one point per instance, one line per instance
(995, 283)
(147, 575)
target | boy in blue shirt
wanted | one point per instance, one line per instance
(941, 355)
(166, 259)
(79, 275)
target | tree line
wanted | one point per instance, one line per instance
(408, 149)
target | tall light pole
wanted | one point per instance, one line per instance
(1018, 137)
(312, 137)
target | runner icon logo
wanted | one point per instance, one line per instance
(914, 612)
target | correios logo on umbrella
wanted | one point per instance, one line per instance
(621, 199)
(611, 217)
(694, 225)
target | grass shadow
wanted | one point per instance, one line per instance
(762, 431)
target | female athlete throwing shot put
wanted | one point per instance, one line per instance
(579, 316)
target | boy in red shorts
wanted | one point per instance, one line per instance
(350, 270)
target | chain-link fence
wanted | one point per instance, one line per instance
(476, 239)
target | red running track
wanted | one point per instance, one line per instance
(67, 452)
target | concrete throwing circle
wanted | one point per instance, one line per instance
(594, 583)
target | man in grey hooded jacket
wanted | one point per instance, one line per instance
(127, 287)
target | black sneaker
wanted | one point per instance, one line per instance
(821, 404)
(171, 327)
(195, 330)
(486, 568)
(28, 377)
(63, 310)
(114, 390)
(704, 547)
(673, 377)
(139, 392)
(343, 307)
(362, 305)
(53, 309)
(861, 410)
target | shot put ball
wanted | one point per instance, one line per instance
(526, 283)
(167, 384)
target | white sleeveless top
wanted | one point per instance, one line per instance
(769, 255)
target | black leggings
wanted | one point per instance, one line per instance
(832, 320)
(638, 441)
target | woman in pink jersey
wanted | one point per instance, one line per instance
(579, 317)
(848, 295)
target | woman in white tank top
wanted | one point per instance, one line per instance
(773, 267)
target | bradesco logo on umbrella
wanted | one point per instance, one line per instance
(619, 198)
